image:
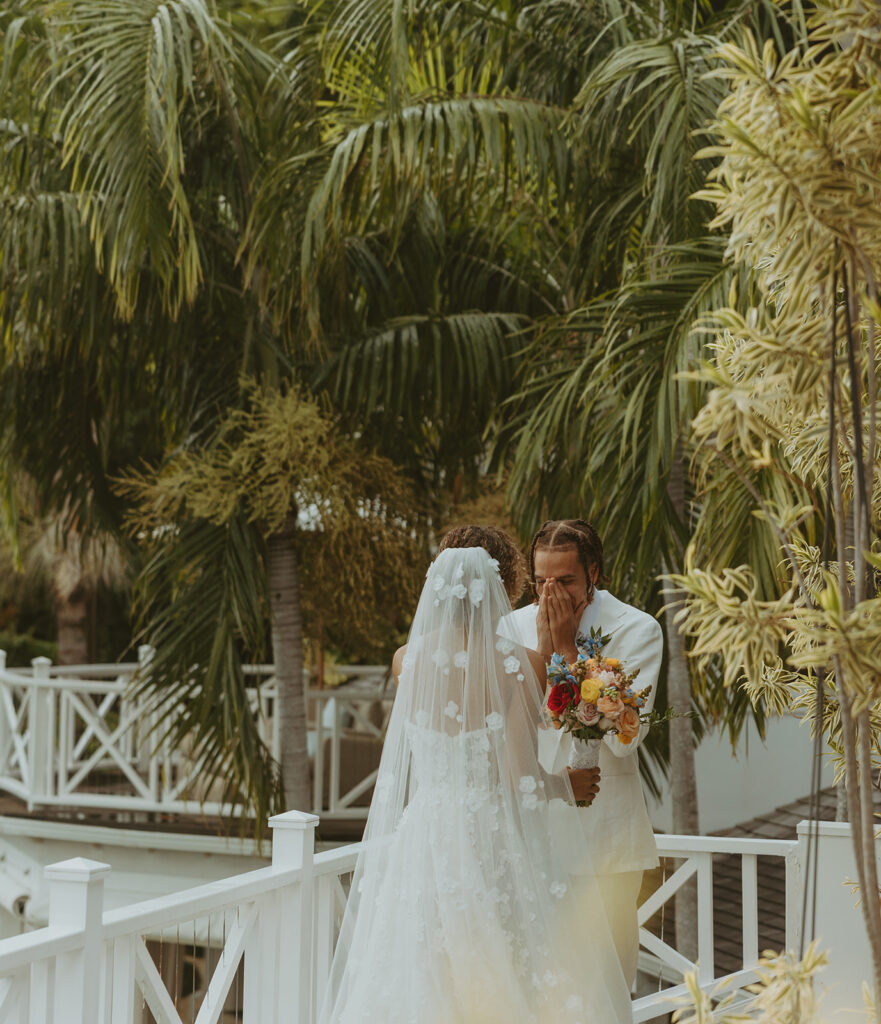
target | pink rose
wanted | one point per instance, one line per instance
(610, 706)
(587, 714)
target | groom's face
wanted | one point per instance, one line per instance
(563, 566)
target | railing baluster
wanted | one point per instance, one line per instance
(706, 965)
(318, 773)
(325, 915)
(51, 744)
(38, 738)
(39, 992)
(6, 726)
(262, 963)
(749, 888)
(334, 756)
(10, 989)
(64, 741)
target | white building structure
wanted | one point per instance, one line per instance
(750, 780)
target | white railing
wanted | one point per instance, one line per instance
(696, 855)
(75, 736)
(89, 967)
(274, 933)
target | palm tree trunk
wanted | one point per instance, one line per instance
(72, 617)
(841, 801)
(683, 777)
(682, 767)
(287, 651)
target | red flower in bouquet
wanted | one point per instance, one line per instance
(560, 697)
(595, 697)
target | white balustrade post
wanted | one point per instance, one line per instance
(40, 744)
(76, 900)
(795, 880)
(839, 922)
(293, 846)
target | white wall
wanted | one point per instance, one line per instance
(734, 786)
(841, 932)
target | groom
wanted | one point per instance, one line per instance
(565, 563)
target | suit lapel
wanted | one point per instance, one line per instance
(603, 612)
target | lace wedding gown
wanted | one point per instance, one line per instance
(459, 911)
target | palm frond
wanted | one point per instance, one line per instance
(134, 75)
(203, 606)
(416, 366)
(383, 168)
(651, 99)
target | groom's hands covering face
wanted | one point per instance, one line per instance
(558, 617)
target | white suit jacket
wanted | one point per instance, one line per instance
(619, 833)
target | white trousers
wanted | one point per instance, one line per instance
(620, 893)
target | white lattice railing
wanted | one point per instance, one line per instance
(273, 938)
(89, 967)
(696, 854)
(75, 736)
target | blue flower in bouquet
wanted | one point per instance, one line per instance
(590, 646)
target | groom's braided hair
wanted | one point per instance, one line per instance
(501, 547)
(568, 533)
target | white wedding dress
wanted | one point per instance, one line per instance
(459, 911)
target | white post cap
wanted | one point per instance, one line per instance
(294, 820)
(77, 869)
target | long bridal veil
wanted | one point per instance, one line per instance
(459, 909)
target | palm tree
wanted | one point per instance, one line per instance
(588, 163)
(137, 146)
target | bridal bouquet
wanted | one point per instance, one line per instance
(594, 696)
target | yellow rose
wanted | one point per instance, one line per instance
(591, 690)
(613, 662)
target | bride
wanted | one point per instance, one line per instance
(460, 910)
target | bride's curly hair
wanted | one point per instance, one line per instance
(500, 546)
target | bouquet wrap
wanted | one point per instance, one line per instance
(584, 753)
